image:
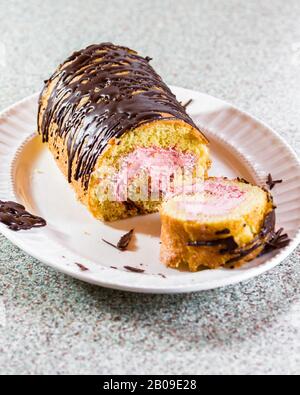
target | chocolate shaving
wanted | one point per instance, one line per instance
(134, 269)
(148, 59)
(277, 241)
(162, 275)
(189, 102)
(110, 244)
(16, 218)
(82, 267)
(272, 183)
(114, 267)
(123, 242)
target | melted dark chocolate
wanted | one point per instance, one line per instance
(261, 240)
(231, 247)
(16, 218)
(99, 93)
(228, 242)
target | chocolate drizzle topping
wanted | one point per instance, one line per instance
(16, 218)
(100, 93)
(228, 242)
(243, 253)
(264, 238)
(125, 240)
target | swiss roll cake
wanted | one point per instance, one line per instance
(117, 132)
(216, 223)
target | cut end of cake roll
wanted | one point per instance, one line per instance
(137, 170)
(217, 223)
(117, 131)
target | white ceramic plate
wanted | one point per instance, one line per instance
(240, 145)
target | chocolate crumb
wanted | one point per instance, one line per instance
(82, 267)
(123, 242)
(272, 183)
(148, 59)
(114, 267)
(134, 269)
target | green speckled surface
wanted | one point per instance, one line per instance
(245, 52)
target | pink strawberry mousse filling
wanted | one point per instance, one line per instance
(158, 163)
(215, 198)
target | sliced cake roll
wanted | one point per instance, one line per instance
(117, 132)
(218, 223)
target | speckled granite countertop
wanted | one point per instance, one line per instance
(244, 52)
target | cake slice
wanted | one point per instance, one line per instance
(217, 223)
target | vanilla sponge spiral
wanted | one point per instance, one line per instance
(218, 223)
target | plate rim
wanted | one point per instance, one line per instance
(161, 289)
